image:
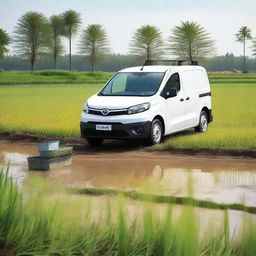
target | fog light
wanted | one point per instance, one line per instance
(137, 130)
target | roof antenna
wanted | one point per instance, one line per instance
(147, 62)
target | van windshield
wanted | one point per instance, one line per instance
(133, 84)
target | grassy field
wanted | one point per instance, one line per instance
(52, 77)
(55, 110)
(44, 219)
(66, 77)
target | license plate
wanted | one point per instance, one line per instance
(103, 127)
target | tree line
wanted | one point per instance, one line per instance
(36, 36)
(115, 62)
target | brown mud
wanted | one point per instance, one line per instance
(80, 144)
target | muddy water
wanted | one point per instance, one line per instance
(219, 179)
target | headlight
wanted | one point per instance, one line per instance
(86, 108)
(138, 108)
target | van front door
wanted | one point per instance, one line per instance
(174, 106)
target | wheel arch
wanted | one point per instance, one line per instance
(161, 120)
(206, 109)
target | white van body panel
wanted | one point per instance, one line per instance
(178, 113)
(197, 83)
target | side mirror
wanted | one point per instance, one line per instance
(170, 93)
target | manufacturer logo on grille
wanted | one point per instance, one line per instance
(104, 111)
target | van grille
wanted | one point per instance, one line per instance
(99, 112)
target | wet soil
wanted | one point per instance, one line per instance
(219, 179)
(80, 145)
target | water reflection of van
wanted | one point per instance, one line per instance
(148, 103)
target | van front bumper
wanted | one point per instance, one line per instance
(139, 130)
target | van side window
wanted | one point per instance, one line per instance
(173, 82)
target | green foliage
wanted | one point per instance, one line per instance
(49, 220)
(53, 77)
(56, 31)
(4, 41)
(243, 34)
(71, 21)
(94, 43)
(191, 41)
(147, 42)
(31, 36)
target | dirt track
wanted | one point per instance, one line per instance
(80, 145)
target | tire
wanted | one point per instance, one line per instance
(203, 122)
(156, 132)
(95, 142)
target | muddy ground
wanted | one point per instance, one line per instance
(80, 144)
(127, 166)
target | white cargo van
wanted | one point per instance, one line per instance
(148, 102)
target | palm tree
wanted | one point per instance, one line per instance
(254, 47)
(147, 42)
(4, 41)
(243, 34)
(190, 41)
(94, 43)
(31, 36)
(56, 27)
(71, 20)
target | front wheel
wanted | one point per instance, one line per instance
(95, 141)
(203, 122)
(156, 132)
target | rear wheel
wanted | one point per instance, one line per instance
(203, 122)
(95, 141)
(156, 132)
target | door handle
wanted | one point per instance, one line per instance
(181, 99)
(187, 98)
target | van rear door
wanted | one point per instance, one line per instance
(194, 83)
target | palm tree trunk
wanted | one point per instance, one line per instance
(32, 62)
(190, 52)
(70, 36)
(55, 55)
(32, 65)
(69, 53)
(244, 57)
(93, 57)
(148, 53)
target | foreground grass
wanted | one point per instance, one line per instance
(44, 220)
(54, 110)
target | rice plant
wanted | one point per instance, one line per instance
(45, 219)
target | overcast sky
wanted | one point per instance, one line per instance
(221, 18)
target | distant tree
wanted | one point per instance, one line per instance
(191, 41)
(72, 21)
(147, 42)
(254, 47)
(4, 41)
(94, 43)
(56, 31)
(31, 36)
(243, 34)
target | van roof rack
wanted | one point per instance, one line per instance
(177, 62)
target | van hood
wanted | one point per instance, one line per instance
(116, 102)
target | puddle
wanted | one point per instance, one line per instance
(218, 179)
